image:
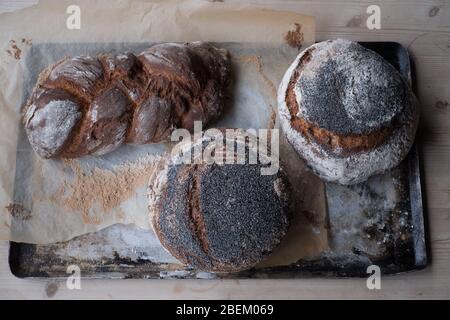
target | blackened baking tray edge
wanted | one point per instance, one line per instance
(400, 53)
(398, 56)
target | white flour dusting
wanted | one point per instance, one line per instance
(51, 125)
(356, 167)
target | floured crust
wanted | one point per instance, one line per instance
(220, 218)
(124, 98)
(355, 155)
(349, 142)
(61, 115)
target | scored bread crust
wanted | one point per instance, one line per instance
(352, 155)
(206, 224)
(91, 105)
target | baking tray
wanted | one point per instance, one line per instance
(366, 226)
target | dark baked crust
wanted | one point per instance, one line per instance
(340, 133)
(124, 98)
(221, 218)
(104, 126)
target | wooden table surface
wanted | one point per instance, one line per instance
(424, 28)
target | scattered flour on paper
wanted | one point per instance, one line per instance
(103, 187)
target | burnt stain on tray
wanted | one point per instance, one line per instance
(388, 232)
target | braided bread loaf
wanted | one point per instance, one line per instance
(91, 105)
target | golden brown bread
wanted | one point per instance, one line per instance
(91, 105)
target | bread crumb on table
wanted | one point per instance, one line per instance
(18, 211)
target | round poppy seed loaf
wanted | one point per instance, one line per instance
(346, 111)
(218, 217)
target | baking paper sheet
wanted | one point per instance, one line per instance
(47, 201)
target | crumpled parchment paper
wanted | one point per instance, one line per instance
(47, 201)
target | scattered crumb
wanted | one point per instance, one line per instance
(294, 38)
(101, 187)
(16, 52)
(18, 211)
(28, 42)
(253, 59)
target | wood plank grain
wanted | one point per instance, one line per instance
(406, 15)
(10, 6)
(422, 27)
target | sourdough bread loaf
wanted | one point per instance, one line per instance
(346, 111)
(218, 217)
